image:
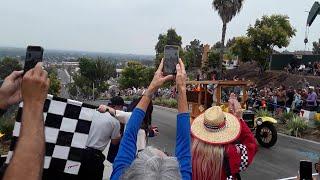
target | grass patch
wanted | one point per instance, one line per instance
(171, 103)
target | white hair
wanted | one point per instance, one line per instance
(149, 166)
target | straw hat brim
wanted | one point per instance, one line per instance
(230, 133)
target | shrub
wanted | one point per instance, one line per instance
(172, 103)
(287, 116)
(263, 113)
(297, 125)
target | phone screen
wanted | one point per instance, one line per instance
(171, 59)
(305, 170)
(33, 56)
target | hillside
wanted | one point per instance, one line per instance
(249, 71)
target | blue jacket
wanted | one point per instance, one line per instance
(127, 150)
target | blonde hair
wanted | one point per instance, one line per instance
(207, 160)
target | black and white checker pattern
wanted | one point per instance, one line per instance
(67, 125)
(244, 157)
(230, 178)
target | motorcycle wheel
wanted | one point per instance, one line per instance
(266, 135)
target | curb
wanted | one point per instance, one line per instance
(299, 139)
(281, 134)
(166, 108)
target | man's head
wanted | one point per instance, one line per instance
(152, 164)
(117, 103)
(311, 89)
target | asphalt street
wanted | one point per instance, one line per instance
(280, 161)
(64, 79)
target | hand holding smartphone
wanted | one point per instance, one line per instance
(34, 55)
(305, 170)
(171, 59)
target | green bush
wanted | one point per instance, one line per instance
(263, 113)
(171, 103)
(287, 116)
(297, 125)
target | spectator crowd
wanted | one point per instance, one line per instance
(304, 69)
(277, 99)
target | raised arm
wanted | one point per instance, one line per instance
(122, 116)
(127, 150)
(183, 139)
(27, 161)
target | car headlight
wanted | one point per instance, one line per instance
(259, 122)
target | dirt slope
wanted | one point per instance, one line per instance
(249, 71)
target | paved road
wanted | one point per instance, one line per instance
(64, 79)
(278, 162)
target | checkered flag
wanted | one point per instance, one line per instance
(67, 125)
(244, 157)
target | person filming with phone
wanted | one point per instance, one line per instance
(151, 163)
(32, 89)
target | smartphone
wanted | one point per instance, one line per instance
(305, 170)
(171, 59)
(33, 56)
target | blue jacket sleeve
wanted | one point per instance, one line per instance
(183, 144)
(128, 148)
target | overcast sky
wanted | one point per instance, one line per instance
(133, 26)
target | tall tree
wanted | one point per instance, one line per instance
(193, 53)
(92, 72)
(169, 38)
(227, 9)
(267, 33)
(316, 47)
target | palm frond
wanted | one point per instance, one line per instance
(227, 9)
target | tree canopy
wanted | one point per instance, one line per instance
(169, 38)
(92, 71)
(8, 65)
(193, 54)
(55, 84)
(267, 33)
(316, 47)
(136, 75)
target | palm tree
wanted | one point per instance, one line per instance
(227, 9)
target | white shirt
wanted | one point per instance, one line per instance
(124, 117)
(103, 128)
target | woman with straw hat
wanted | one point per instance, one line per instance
(222, 145)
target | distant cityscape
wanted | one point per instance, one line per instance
(58, 56)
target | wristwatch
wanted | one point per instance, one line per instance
(147, 94)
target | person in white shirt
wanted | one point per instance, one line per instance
(104, 129)
(123, 118)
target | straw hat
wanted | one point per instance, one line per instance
(216, 127)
